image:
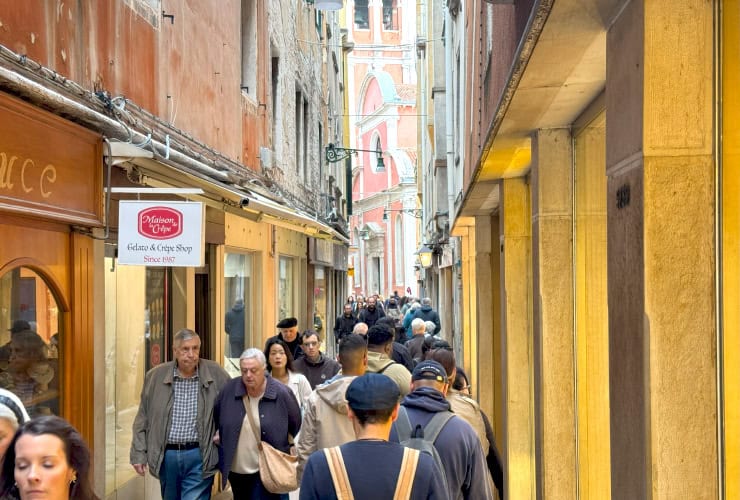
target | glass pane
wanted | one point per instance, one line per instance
(319, 301)
(31, 341)
(285, 283)
(238, 282)
(137, 327)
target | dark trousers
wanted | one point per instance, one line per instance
(236, 348)
(250, 486)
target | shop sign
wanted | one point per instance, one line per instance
(156, 233)
(445, 260)
(49, 167)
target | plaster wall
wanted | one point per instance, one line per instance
(661, 244)
(554, 343)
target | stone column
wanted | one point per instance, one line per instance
(516, 310)
(554, 342)
(661, 247)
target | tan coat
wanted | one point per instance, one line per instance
(325, 421)
(152, 422)
(398, 373)
(469, 410)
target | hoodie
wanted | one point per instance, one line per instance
(458, 445)
(325, 421)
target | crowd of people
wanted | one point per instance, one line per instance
(391, 417)
(355, 425)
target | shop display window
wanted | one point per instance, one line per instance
(239, 307)
(286, 294)
(31, 341)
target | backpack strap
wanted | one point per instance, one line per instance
(435, 425)
(338, 472)
(403, 424)
(407, 474)
(386, 366)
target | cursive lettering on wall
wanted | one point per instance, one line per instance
(30, 176)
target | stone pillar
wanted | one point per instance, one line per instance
(554, 342)
(661, 247)
(516, 310)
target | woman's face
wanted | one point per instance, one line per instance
(277, 356)
(7, 431)
(41, 468)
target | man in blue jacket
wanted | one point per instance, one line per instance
(372, 463)
(457, 444)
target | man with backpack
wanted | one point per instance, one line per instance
(425, 418)
(372, 467)
(380, 347)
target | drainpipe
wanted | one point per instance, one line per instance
(449, 122)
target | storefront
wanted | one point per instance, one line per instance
(50, 200)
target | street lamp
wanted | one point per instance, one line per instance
(425, 256)
(334, 154)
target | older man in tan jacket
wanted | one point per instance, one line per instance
(325, 420)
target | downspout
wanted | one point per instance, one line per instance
(449, 122)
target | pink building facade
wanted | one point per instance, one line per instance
(382, 117)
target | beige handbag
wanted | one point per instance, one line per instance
(278, 470)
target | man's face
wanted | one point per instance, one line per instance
(311, 347)
(289, 334)
(371, 303)
(187, 354)
(347, 309)
(253, 373)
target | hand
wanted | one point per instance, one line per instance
(217, 439)
(140, 469)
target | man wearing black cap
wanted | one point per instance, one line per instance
(289, 334)
(373, 406)
(457, 443)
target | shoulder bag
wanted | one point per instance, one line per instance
(278, 470)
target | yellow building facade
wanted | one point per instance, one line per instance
(601, 295)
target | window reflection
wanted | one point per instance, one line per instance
(238, 279)
(30, 344)
(285, 283)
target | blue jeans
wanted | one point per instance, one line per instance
(181, 476)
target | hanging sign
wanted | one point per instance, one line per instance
(155, 233)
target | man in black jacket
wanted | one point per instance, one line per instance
(314, 365)
(372, 313)
(344, 323)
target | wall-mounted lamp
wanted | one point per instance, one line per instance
(425, 255)
(334, 154)
(328, 4)
(414, 212)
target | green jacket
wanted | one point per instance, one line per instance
(152, 422)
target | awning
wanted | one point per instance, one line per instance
(234, 199)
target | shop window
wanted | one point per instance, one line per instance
(138, 332)
(319, 300)
(238, 304)
(32, 341)
(286, 295)
(362, 15)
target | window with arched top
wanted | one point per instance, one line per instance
(399, 249)
(31, 339)
(378, 148)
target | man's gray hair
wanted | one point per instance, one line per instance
(426, 301)
(182, 336)
(430, 327)
(417, 325)
(360, 328)
(254, 353)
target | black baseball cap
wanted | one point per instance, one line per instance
(372, 391)
(429, 370)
